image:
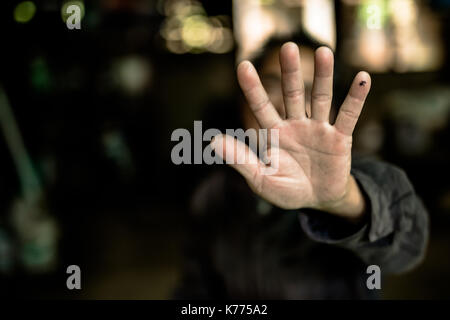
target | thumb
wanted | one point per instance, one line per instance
(237, 155)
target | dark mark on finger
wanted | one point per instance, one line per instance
(362, 83)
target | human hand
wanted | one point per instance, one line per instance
(314, 156)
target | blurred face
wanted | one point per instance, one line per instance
(270, 74)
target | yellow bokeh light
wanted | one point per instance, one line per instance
(188, 29)
(196, 32)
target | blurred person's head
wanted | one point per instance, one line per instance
(267, 64)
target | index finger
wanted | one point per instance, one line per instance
(257, 98)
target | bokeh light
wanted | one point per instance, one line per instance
(319, 21)
(132, 74)
(24, 11)
(373, 14)
(187, 28)
(196, 31)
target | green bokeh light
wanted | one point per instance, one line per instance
(40, 75)
(24, 11)
(373, 13)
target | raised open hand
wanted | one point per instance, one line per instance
(314, 155)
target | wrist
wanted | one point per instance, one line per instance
(351, 206)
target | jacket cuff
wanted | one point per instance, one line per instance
(326, 228)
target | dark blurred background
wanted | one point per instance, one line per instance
(86, 117)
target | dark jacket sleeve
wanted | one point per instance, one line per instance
(395, 233)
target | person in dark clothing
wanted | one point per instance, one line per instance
(310, 230)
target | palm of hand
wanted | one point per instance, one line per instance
(314, 166)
